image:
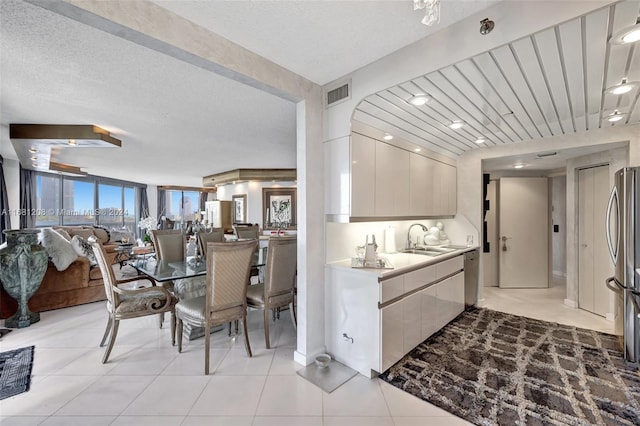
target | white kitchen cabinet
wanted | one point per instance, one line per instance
(372, 321)
(368, 179)
(363, 169)
(392, 323)
(391, 181)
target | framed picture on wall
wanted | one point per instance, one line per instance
(279, 208)
(239, 208)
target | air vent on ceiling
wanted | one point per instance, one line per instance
(337, 93)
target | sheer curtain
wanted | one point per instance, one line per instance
(162, 203)
(5, 219)
(28, 202)
(203, 200)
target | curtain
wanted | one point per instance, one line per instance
(28, 202)
(162, 203)
(144, 203)
(203, 200)
(5, 219)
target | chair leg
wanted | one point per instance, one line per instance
(173, 328)
(112, 340)
(207, 341)
(247, 345)
(266, 328)
(160, 319)
(179, 337)
(229, 328)
(293, 316)
(236, 327)
(106, 332)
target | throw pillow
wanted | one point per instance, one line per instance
(64, 233)
(84, 233)
(83, 248)
(58, 248)
(118, 233)
(102, 233)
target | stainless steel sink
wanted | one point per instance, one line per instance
(423, 252)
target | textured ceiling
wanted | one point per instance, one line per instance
(179, 122)
(548, 84)
(320, 40)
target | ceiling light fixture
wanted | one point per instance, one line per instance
(626, 35)
(387, 137)
(72, 142)
(419, 99)
(486, 26)
(615, 116)
(33, 150)
(480, 140)
(417, 150)
(622, 88)
(456, 125)
(431, 10)
(518, 166)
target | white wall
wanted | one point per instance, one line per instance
(253, 190)
(11, 169)
(559, 217)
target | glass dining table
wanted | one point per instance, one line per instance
(162, 271)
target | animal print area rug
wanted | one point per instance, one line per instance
(492, 368)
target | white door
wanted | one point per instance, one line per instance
(594, 264)
(524, 233)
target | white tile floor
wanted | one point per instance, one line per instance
(147, 382)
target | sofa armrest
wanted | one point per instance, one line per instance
(75, 276)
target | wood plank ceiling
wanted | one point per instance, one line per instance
(547, 84)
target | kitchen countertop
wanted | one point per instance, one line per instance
(402, 263)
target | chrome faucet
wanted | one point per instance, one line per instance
(424, 228)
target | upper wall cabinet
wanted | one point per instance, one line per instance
(368, 179)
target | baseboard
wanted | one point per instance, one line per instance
(610, 317)
(559, 273)
(571, 303)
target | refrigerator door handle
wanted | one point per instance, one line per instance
(613, 252)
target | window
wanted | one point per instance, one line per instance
(63, 200)
(182, 205)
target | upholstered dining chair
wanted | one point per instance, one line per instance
(123, 303)
(247, 232)
(278, 289)
(228, 267)
(216, 235)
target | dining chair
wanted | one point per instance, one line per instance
(228, 267)
(247, 232)
(126, 303)
(216, 235)
(277, 291)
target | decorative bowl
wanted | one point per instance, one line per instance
(323, 360)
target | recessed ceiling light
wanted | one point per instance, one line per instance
(34, 164)
(388, 137)
(480, 140)
(34, 158)
(615, 116)
(33, 150)
(626, 35)
(417, 150)
(456, 124)
(72, 142)
(518, 166)
(622, 88)
(419, 99)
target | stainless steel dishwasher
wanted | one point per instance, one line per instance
(471, 270)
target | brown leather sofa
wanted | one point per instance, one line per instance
(78, 284)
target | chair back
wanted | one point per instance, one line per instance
(247, 232)
(282, 264)
(169, 244)
(228, 267)
(108, 276)
(216, 235)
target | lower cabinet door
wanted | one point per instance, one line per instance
(428, 309)
(443, 303)
(412, 318)
(392, 335)
(457, 285)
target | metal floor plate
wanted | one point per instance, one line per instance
(330, 378)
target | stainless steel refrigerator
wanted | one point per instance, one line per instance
(623, 227)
